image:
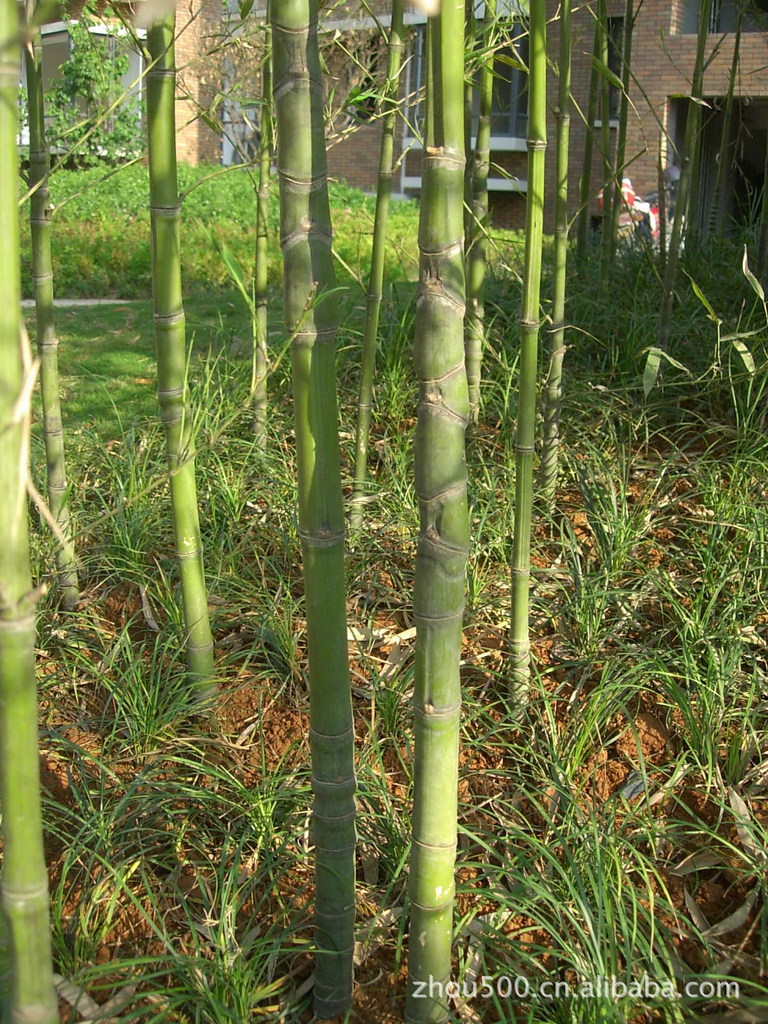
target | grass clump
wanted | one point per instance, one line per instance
(618, 832)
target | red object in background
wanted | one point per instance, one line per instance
(628, 196)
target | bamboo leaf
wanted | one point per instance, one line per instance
(512, 62)
(757, 288)
(704, 300)
(605, 72)
(210, 122)
(699, 861)
(743, 821)
(696, 913)
(652, 370)
(653, 367)
(246, 7)
(746, 355)
(734, 920)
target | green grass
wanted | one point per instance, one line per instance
(100, 231)
(612, 833)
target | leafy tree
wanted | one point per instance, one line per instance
(90, 118)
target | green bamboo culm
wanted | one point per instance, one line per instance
(529, 350)
(553, 394)
(376, 277)
(619, 204)
(585, 180)
(47, 341)
(476, 241)
(762, 236)
(24, 880)
(260, 364)
(311, 318)
(471, 83)
(682, 219)
(441, 486)
(724, 164)
(171, 348)
(606, 236)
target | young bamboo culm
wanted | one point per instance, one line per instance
(24, 880)
(171, 348)
(47, 340)
(441, 486)
(525, 432)
(311, 318)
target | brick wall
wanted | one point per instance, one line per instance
(662, 64)
(198, 29)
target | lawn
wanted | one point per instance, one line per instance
(617, 831)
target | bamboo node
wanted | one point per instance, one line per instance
(193, 555)
(323, 539)
(19, 625)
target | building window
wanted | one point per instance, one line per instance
(724, 15)
(509, 112)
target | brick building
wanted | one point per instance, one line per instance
(222, 83)
(355, 157)
(663, 55)
(199, 31)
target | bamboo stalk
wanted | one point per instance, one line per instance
(619, 202)
(762, 235)
(690, 155)
(470, 84)
(554, 391)
(529, 349)
(474, 328)
(172, 350)
(47, 340)
(311, 316)
(24, 880)
(585, 180)
(376, 277)
(606, 238)
(441, 486)
(722, 183)
(260, 275)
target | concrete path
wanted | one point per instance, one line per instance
(71, 303)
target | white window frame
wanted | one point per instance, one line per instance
(499, 143)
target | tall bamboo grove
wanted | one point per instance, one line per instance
(529, 350)
(441, 486)
(376, 277)
(553, 394)
(311, 317)
(172, 350)
(47, 341)
(24, 881)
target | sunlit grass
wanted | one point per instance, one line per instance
(614, 832)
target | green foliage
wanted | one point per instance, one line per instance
(101, 231)
(649, 617)
(90, 118)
